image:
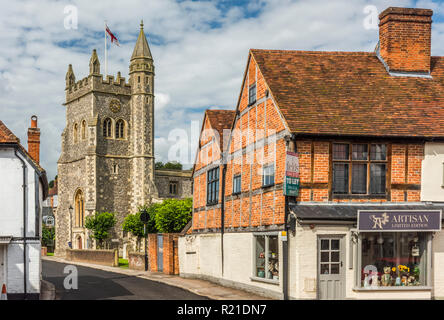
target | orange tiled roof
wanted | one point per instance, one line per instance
(220, 120)
(351, 93)
(6, 135)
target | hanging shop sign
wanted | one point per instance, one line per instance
(399, 220)
(291, 182)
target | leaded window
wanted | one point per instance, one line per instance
(358, 171)
(268, 175)
(237, 184)
(107, 129)
(252, 94)
(213, 186)
(120, 127)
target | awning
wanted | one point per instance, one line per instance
(5, 239)
(349, 212)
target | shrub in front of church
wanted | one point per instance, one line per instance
(100, 225)
(173, 214)
(133, 225)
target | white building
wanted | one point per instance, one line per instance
(23, 188)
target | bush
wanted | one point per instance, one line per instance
(132, 222)
(48, 236)
(100, 224)
(173, 214)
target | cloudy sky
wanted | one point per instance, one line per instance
(199, 48)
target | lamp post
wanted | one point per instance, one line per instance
(70, 209)
(144, 217)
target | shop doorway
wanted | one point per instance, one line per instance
(331, 267)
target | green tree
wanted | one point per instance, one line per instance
(48, 236)
(158, 165)
(173, 214)
(134, 225)
(100, 224)
(171, 165)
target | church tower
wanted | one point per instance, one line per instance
(141, 73)
(107, 158)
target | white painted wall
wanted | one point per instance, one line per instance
(200, 255)
(432, 172)
(11, 221)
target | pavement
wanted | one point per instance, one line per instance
(141, 284)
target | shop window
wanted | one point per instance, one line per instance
(173, 187)
(213, 186)
(237, 184)
(356, 171)
(267, 257)
(268, 175)
(391, 259)
(252, 94)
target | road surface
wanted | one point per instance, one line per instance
(95, 284)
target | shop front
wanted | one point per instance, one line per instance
(367, 251)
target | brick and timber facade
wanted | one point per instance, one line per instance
(359, 123)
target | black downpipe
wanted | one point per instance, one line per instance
(285, 247)
(286, 244)
(24, 225)
(222, 216)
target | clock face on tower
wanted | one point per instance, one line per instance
(114, 105)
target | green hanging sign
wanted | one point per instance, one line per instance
(291, 181)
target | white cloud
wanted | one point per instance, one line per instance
(199, 49)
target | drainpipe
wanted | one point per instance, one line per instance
(291, 146)
(222, 216)
(24, 224)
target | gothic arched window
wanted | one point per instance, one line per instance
(83, 130)
(120, 129)
(107, 128)
(75, 132)
(80, 209)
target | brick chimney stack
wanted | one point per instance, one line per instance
(405, 39)
(34, 140)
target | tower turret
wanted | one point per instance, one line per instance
(142, 114)
(70, 78)
(94, 64)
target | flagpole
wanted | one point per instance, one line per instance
(106, 56)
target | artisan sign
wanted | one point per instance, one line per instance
(399, 220)
(291, 182)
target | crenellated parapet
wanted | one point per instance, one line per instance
(96, 83)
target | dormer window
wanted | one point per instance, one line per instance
(252, 94)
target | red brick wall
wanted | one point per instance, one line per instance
(152, 252)
(170, 254)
